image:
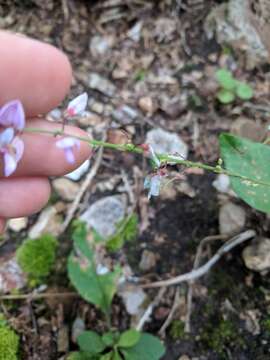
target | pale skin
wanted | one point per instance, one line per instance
(39, 76)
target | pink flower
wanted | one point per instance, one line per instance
(12, 115)
(11, 147)
(68, 144)
(78, 105)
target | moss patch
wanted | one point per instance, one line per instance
(36, 257)
(9, 342)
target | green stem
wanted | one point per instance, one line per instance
(164, 158)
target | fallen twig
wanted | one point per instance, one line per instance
(195, 274)
(35, 296)
(196, 264)
(149, 310)
(168, 321)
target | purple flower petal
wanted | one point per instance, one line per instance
(67, 142)
(78, 105)
(18, 146)
(10, 164)
(69, 156)
(12, 114)
(6, 137)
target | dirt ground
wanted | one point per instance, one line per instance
(170, 60)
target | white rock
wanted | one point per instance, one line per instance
(232, 219)
(134, 300)
(135, 32)
(100, 83)
(222, 183)
(100, 45)
(66, 188)
(79, 172)
(11, 276)
(104, 214)
(17, 224)
(257, 255)
(166, 142)
(48, 222)
(125, 114)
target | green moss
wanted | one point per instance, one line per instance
(36, 257)
(225, 334)
(177, 330)
(9, 343)
(266, 326)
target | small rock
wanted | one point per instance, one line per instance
(257, 255)
(248, 129)
(78, 327)
(79, 172)
(134, 300)
(232, 219)
(146, 105)
(119, 73)
(66, 188)
(63, 339)
(166, 142)
(125, 114)
(148, 260)
(174, 107)
(135, 32)
(89, 119)
(184, 357)
(97, 107)
(11, 276)
(222, 183)
(17, 224)
(100, 83)
(105, 214)
(99, 45)
(48, 222)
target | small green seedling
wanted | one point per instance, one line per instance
(99, 288)
(231, 88)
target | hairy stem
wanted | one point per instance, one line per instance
(164, 158)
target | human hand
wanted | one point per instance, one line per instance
(39, 76)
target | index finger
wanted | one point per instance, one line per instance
(37, 74)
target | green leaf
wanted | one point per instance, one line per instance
(148, 348)
(116, 355)
(97, 289)
(91, 342)
(109, 338)
(225, 79)
(108, 356)
(251, 161)
(79, 236)
(126, 231)
(225, 96)
(129, 338)
(244, 91)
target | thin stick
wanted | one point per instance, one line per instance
(196, 264)
(38, 296)
(149, 310)
(82, 190)
(170, 316)
(197, 273)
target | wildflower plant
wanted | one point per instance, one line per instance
(244, 161)
(99, 288)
